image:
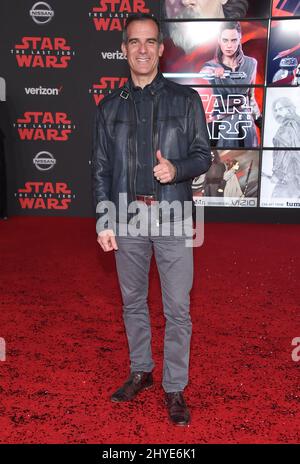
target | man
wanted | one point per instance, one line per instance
(150, 142)
(186, 9)
(286, 162)
(288, 133)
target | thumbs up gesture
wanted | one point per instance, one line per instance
(164, 171)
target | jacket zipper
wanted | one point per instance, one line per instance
(155, 139)
(136, 148)
(133, 125)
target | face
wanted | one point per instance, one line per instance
(282, 112)
(229, 42)
(142, 49)
(195, 8)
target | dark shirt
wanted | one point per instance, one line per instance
(143, 99)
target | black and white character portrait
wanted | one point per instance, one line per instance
(280, 181)
(282, 126)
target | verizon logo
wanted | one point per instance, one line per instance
(42, 90)
(117, 55)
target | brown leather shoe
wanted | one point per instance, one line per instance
(137, 382)
(177, 408)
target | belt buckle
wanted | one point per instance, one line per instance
(147, 199)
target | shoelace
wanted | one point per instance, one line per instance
(176, 398)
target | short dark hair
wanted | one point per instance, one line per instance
(141, 17)
(232, 25)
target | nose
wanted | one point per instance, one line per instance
(142, 48)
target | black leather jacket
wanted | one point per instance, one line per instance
(178, 129)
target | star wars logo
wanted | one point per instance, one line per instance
(39, 125)
(111, 15)
(233, 112)
(43, 52)
(105, 86)
(45, 195)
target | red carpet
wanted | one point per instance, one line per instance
(66, 348)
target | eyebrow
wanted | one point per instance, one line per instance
(149, 38)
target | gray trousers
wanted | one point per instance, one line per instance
(175, 265)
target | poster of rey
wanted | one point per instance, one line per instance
(215, 53)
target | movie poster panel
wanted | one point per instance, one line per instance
(284, 53)
(280, 179)
(218, 53)
(232, 180)
(215, 9)
(233, 115)
(286, 8)
(282, 124)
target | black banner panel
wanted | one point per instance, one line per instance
(59, 59)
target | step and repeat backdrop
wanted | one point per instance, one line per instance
(60, 58)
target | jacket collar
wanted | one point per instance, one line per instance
(153, 87)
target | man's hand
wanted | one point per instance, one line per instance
(107, 241)
(164, 171)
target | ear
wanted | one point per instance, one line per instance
(161, 50)
(124, 49)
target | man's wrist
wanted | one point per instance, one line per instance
(173, 180)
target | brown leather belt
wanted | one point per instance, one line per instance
(148, 199)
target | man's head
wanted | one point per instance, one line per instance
(283, 109)
(229, 40)
(194, 9)
(142, 45)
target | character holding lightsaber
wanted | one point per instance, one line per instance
(229, 63)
